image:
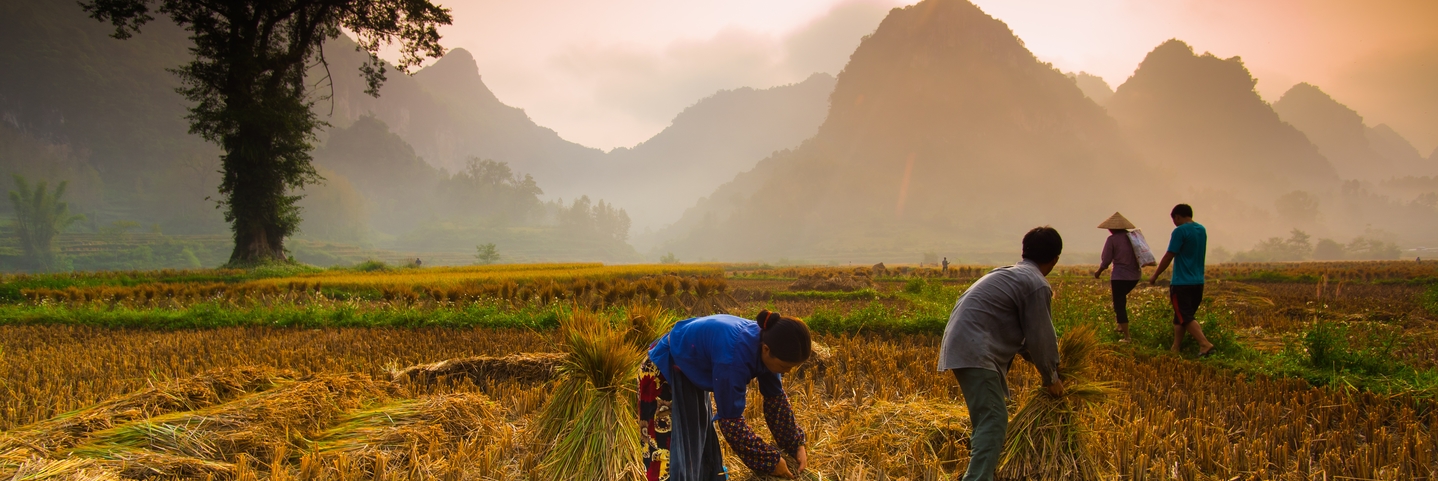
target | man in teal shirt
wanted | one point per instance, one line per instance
(1186, 249)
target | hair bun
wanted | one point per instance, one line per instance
(766, 319)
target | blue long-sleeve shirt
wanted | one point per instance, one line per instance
(718, 353)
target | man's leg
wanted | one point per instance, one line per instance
(1196, 331)
(984, 395)
(1185, 301)
(1190, 302)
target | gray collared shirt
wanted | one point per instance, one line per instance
(1002, 314)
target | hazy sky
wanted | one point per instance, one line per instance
(613, 73)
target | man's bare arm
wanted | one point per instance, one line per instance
(1162, 266)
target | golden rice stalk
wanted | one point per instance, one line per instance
(571, 392)
(646, 323)
(258, 426)
(1047, 438)
(391, 433)
(591, 416)
(200, 391)
(531, 367)
(38, 469)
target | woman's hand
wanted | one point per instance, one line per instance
(803, 458)
(782, 470)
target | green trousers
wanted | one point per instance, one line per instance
(984, 394)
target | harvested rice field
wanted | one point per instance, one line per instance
(1318, 378)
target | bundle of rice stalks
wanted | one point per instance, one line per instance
(590, 419)
(819, 358)
(647, 322)
(1048, 439)
(670, 299)
(197, 392)
(711, 296)
(392, 435)
(868, 439)
(536, 367)
(260, 426)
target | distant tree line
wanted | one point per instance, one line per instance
(1298, 246)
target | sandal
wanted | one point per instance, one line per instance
(1208, 353)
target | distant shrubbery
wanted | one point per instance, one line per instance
(1298, 247)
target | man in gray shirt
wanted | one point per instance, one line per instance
(1003, 314)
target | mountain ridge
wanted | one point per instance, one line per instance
(708, 142)
(1356, 150)
(1199, 117)
(941, 92)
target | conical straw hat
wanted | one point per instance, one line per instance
(1116, 221)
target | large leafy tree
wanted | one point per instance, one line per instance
(40, 215)
(247, 80)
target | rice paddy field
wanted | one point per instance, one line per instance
(525, 372)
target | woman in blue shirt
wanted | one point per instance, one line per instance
(720, 354)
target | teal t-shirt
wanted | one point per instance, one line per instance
(1188, 245)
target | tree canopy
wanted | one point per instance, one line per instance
(247, 82)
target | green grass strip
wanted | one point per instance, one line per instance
(210, 316)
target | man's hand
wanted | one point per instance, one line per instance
(1096, 274)
(1056, 389)
(803, 458)
(782, 470)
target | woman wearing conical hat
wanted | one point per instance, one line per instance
(1118, 251)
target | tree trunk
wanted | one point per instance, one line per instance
(256, 245)
(261, 214)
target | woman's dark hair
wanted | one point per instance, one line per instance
(1181, 210)
(1118, 231)
(1042, 245)
(787, 337)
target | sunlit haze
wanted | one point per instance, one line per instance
(610, 74)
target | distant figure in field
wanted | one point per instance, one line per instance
(1002, 314)
(1186, 249)
(417, 263)
(946, 265)
(1118, 251)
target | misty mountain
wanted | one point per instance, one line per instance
(448, 115)
(384, 170)
(1093, 87)
(706, 144)
(943, 132)
(1199, 119)
(1391, 145)
(102, 114)
(1356, 150)
(377, 189)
